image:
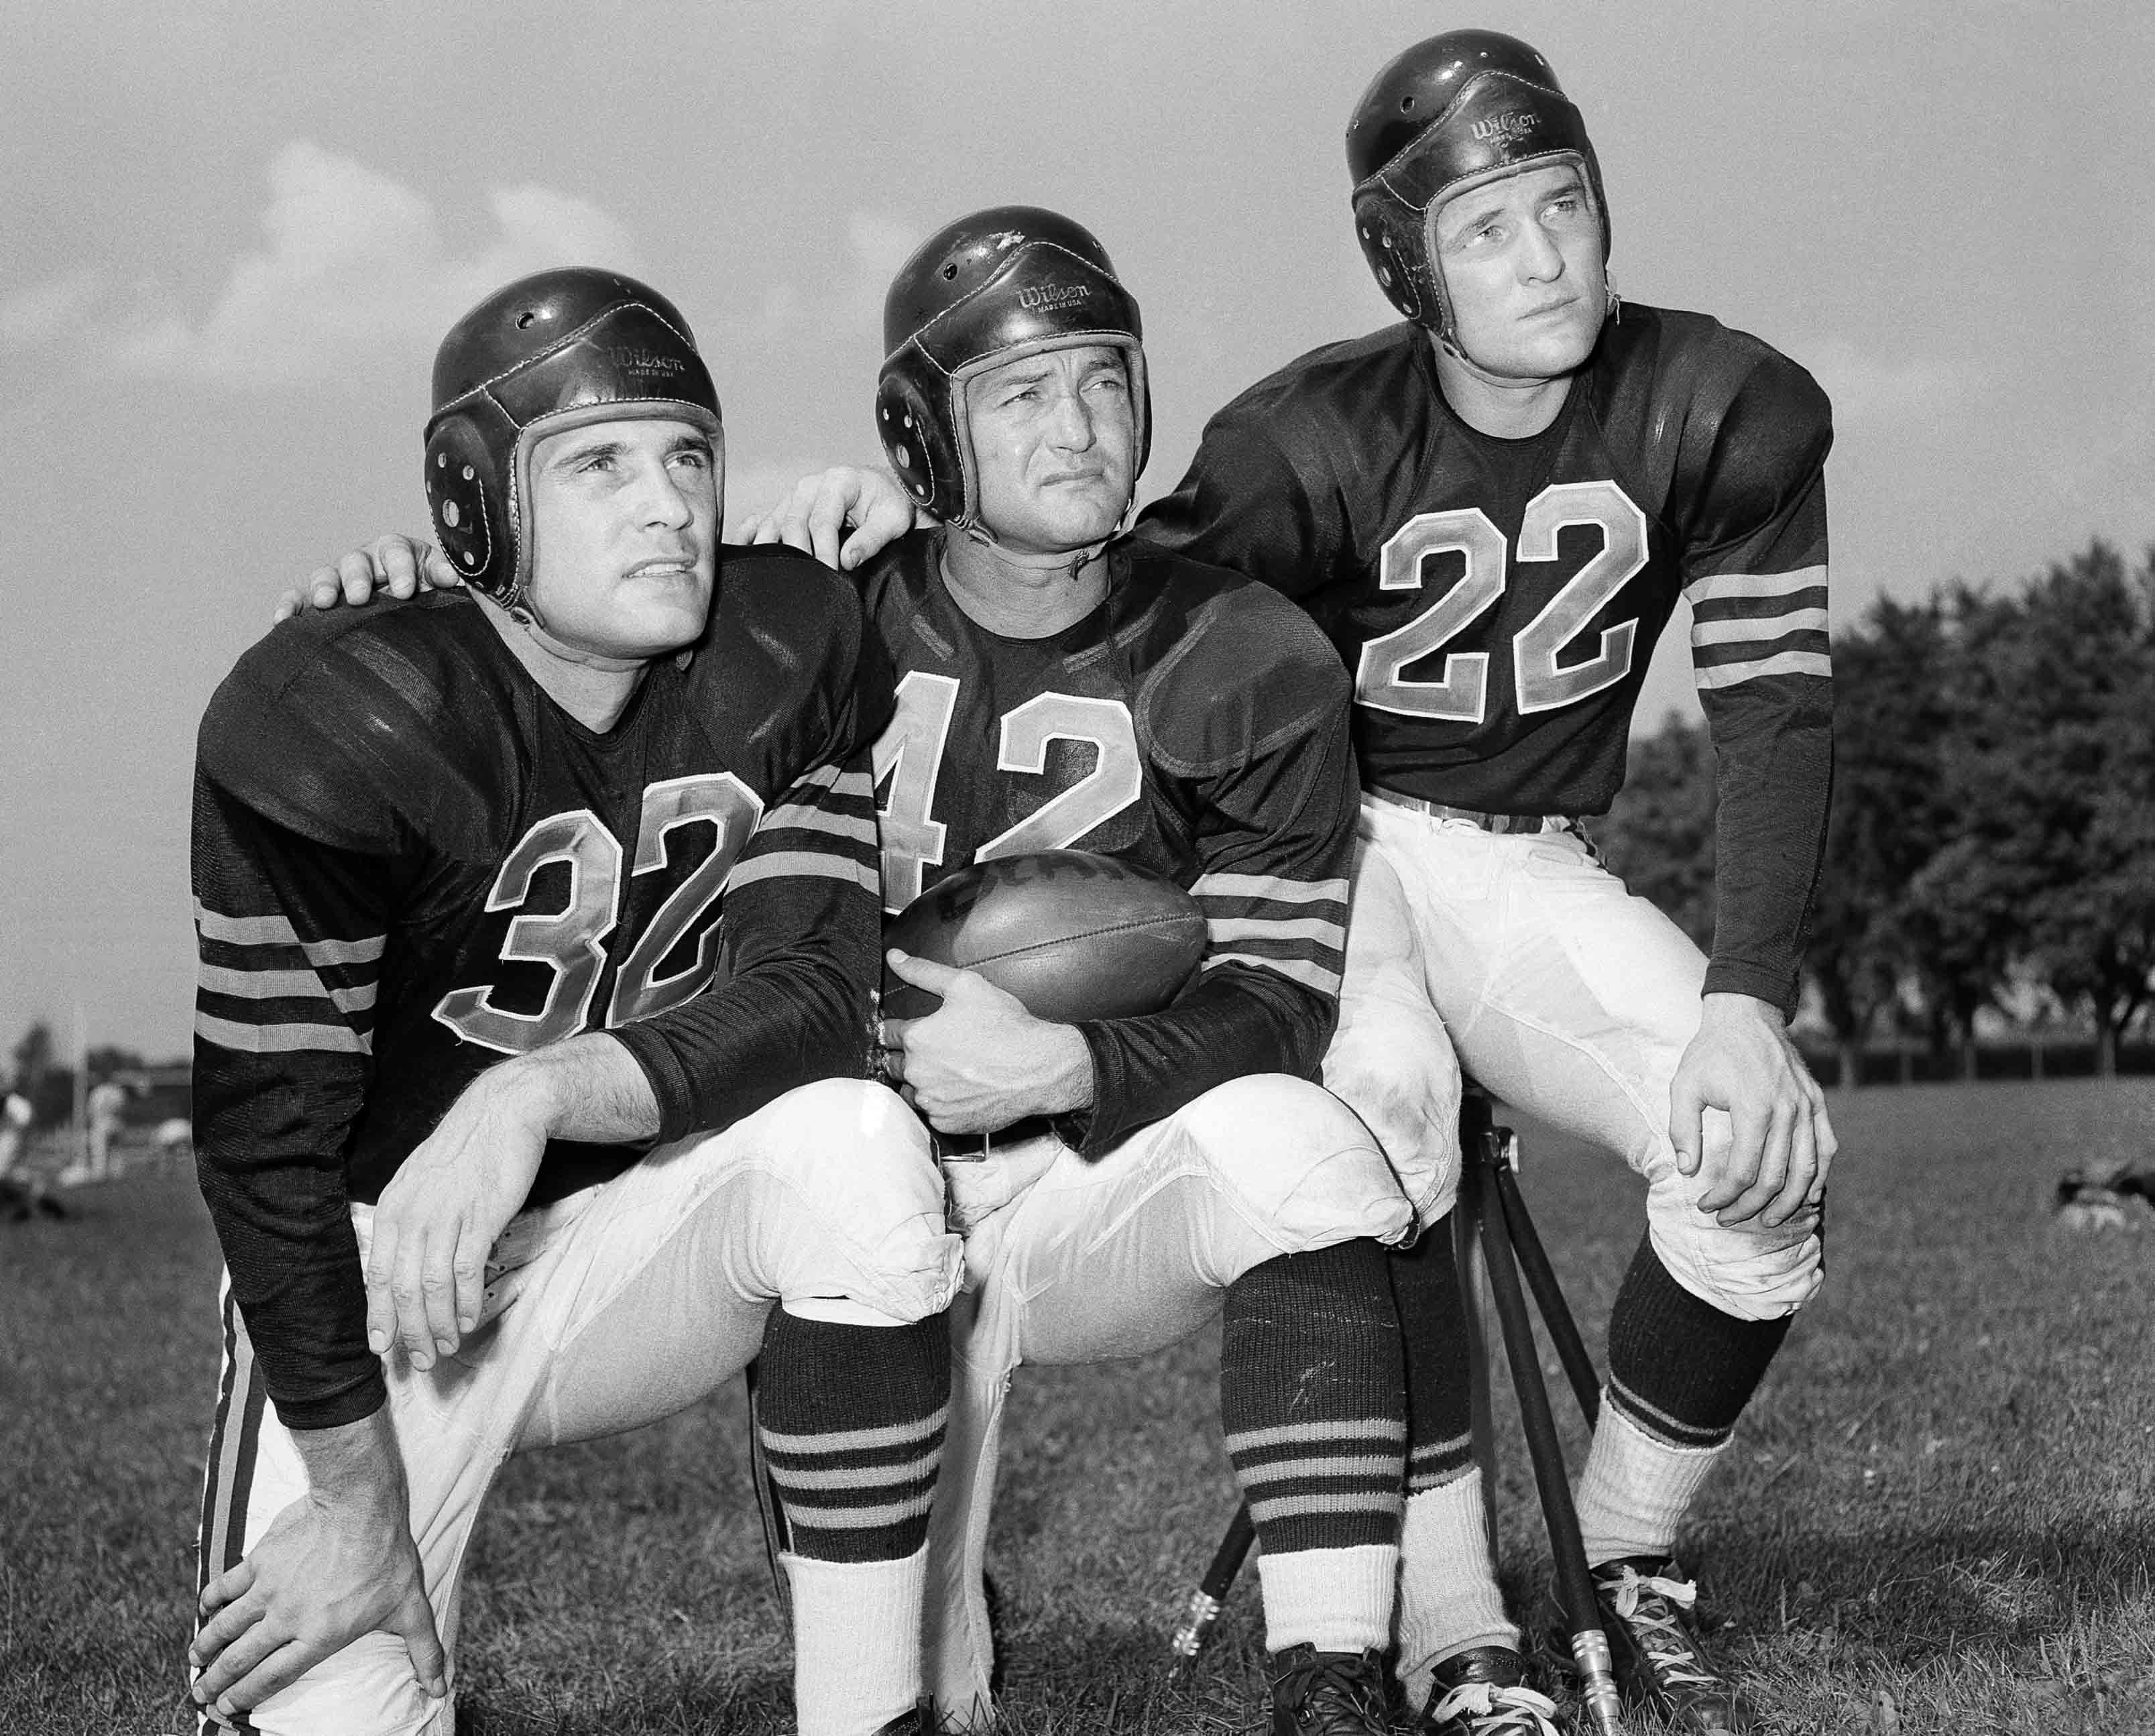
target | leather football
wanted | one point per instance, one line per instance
(1073, 935)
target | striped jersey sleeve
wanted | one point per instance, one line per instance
(290, 935)
(798, 938)
(1259, 729)
(1754, 571)
(1270, 921)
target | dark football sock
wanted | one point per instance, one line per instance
(1312, 1399)
(851, 1419)
(1679, 1368)
(1433, 1334)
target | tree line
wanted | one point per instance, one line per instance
(1992, 846)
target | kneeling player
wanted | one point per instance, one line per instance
(485, 826)
(1120, 1182)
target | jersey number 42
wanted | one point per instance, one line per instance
(908, 764)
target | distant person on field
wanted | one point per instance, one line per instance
(106, 1107)
(21, 1192)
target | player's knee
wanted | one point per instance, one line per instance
(855, 1125)
(1406, 1093)
(366, 1689)
(856, 1211)
(1293, 1163)
(1759, 1274)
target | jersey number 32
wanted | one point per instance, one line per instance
(573, 940)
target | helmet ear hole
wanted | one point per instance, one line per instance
(460, 477)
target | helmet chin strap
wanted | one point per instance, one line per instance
(1070, 562)
(519, 608)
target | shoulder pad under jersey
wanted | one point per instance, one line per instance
(788, 601)
(1335, 373)
(1725, 426)
(1241, 669)
(784, 621)
(358, 728)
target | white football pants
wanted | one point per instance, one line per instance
(604, 1311)
(1523, 957)
(1075, 1262)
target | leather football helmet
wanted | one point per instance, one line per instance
(547, 352)
(1004, 283)
(1465, 105)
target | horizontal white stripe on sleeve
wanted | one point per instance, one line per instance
(1754, 584)
(1758, 628)
(1785, 662)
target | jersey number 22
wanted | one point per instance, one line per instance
(1460, 694)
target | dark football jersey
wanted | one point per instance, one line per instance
(1497, 601)
(410, 862)
(1194, 725)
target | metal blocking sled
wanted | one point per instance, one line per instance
(1493, 1233)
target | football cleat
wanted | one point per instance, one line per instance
(921, 1721)
(1482, 1692)
(1328, 1693)
(1661, 1663)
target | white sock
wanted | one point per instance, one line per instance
(1335, 1599)
(1448, 1595)
(856, 1641)
(1637, 1489)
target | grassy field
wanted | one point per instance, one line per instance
(1938, 1517)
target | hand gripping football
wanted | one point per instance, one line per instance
(1072, 934)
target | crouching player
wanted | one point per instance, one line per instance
(460, 866)
(1061, 685)
(1121, 1182)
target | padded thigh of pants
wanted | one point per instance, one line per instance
(1574, 1000)
(1389, 1060)
(1121, 1256)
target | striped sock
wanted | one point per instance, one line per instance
(851, 1420)
(852, 1423)
(1448, 1595)
(1433, 1335)
(1311, 1400)
(1680, 1374)
(1680, 1367)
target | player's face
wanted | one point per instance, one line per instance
(624, 516)
(1054, 447)
(1521, 257)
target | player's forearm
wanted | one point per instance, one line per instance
(1237, 1021)
(726, 1053)
(356, 1465)
(587, 1088)
(1776, 780)
(275, 1193)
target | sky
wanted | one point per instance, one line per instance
(232, 234)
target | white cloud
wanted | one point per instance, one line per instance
(357, 268)
(37, 315)
(849, 299)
